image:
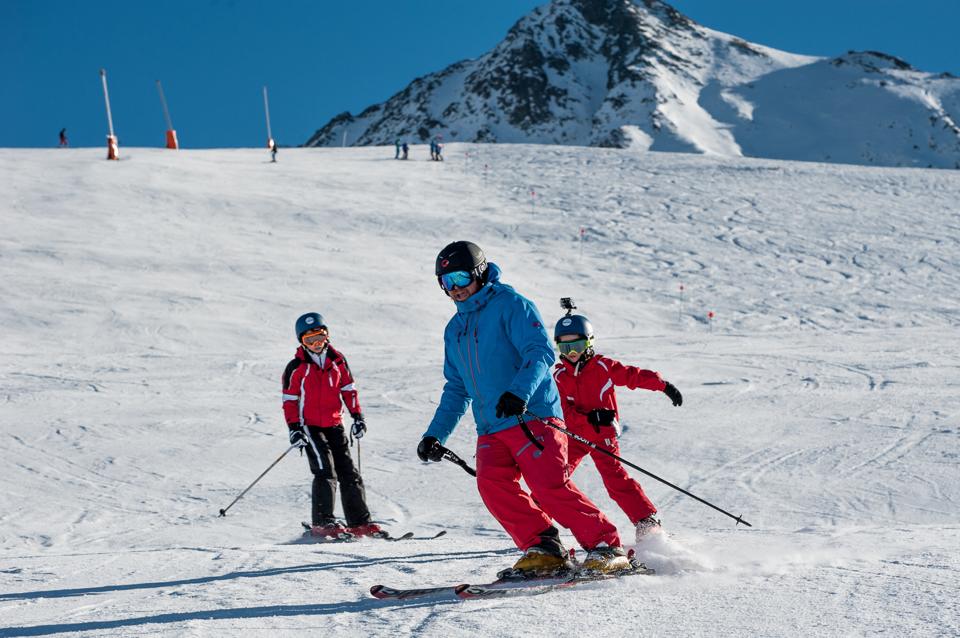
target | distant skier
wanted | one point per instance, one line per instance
(586, 382)
(273, 152)
(63, 138)
(437, 150)
(406, 149)
(396, 155)
(314, 384)
(433, 150)
(496, 346)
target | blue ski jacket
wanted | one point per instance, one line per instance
(495, 343)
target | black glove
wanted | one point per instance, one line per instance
(671, 391)
(601, 416)
(359, 427)
(430, 449)
(510, 405)
(297, 435)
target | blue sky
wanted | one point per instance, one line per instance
(324, 57)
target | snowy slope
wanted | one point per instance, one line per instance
(641, 75)
(147, 313)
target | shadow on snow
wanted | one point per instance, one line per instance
(277, 571)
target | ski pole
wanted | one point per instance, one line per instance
(592, 445)
(223, 512)
(453, 458)
(359, 467)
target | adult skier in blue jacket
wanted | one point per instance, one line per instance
(498, 357)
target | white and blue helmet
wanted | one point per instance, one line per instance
(573, 325)
(308, 322)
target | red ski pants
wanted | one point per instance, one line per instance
(506, 456)
(625, 491)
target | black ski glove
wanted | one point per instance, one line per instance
(671, 391)
(297, 435)
(430, 449)
(510, 405)
(601, 416)
(359, 427)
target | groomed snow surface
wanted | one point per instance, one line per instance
(147, 310)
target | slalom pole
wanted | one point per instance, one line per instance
(453, 458)
(223, 512)
(592, 445)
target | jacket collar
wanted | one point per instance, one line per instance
(304, 356)
(577, 367)
(483, 296)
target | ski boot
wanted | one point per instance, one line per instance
(646, 526)
(367, 529)
(605, 559)
(331, 529)
(537, 562)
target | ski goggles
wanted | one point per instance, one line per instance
(455, 279)
(314, 337)
(574, 348)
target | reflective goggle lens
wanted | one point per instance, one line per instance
(574, 347)
(314, 337)
(456, 279)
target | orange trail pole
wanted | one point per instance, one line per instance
(113, 150)
(171, 133)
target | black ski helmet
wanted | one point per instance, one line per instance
(308, 322)
(462, 255)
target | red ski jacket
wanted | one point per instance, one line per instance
(312, 396)
(590, 386)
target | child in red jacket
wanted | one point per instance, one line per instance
(316, 384)
(586, 382)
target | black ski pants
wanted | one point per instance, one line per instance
(335, 465)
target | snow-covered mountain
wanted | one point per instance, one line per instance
(641, 75)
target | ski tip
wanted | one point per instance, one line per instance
(440, 533)
(375, 591)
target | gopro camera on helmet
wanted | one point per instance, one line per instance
(567, 304)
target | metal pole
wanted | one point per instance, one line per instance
(106, 98)
(592, 445)
(453, 458)
(266, 108)
(223, 512)
(166, 112)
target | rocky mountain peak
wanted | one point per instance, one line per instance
(639, 74)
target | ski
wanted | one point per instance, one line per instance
(535, 587)
(347, 537)
(389, 593)
(384, 592)
(410, 536)
(508, 587)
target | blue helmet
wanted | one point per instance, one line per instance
(573, 325)
(309, 321)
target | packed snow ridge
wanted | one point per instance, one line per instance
(641, 75)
